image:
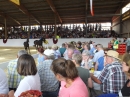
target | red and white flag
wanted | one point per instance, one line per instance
(91, 7)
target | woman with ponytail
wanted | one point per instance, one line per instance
(71, 84)
(125, 91)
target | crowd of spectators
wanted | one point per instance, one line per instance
(77, 69)
(62, 32)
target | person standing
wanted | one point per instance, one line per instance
(127, 41)
(116, 44)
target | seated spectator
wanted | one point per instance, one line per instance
(71, 50)
(71, 85)
(65, 53)
(56, 51)
(97, 55)
(13, 77)
(49, 84)
(62, 49)
(125, 91)
(3, 83)
(83, 73)
(27, 67)
(112, 79)
(79, 47)
(86, 60)
(41, 57)
(87, 48)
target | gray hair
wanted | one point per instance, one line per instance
(77, 58)
(87, 53)
(21, 52)
(99, 46)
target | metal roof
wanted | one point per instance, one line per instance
(66, 11)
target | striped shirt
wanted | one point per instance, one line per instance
(112, 78)
(13, 77)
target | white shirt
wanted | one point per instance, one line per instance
(98, 55)
(65, 55)
(91, 46)
(3, 83)
(31, 82)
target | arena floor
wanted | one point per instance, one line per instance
(7, 54)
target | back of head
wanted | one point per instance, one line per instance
(54, 47)
(77, 58)
(63, 45)
(71, 46)
(40, 49)
(126, 59)
(100, 46)
(86, 53)
(87, 46)
(66, 68)
(21, 52)
(26, 65)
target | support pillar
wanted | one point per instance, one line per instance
(5, 28)
(86, 22)
(55, 28)
(29, 28)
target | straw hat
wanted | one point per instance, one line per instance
(113, 54)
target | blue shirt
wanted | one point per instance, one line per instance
(40, 59)
(100, 64)
(62, 50)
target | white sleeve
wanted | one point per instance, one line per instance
(95, 58)
(23, 86)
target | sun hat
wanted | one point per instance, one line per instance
(113, 54)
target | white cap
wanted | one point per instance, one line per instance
(48, 52)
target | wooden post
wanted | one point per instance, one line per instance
(86, 17)
(29, 27)
(120, 23)
(55, 28)
(5, 28)
(45, 28)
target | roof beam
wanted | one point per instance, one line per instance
(5, 15)
(119, 8)
(25, 11)
(15, 20)
(54, 9)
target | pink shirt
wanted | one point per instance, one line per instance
(77, 89)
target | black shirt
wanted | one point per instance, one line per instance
(126, 90)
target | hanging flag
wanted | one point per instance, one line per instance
(91, 7)
(15, 1)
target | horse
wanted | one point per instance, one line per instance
(26, 46)
(38, 43)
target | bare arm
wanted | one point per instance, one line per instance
(11, 93)
(96, 66)
(95, 79)
(90, 84)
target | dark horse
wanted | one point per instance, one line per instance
(26, 46)
(38, 43)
